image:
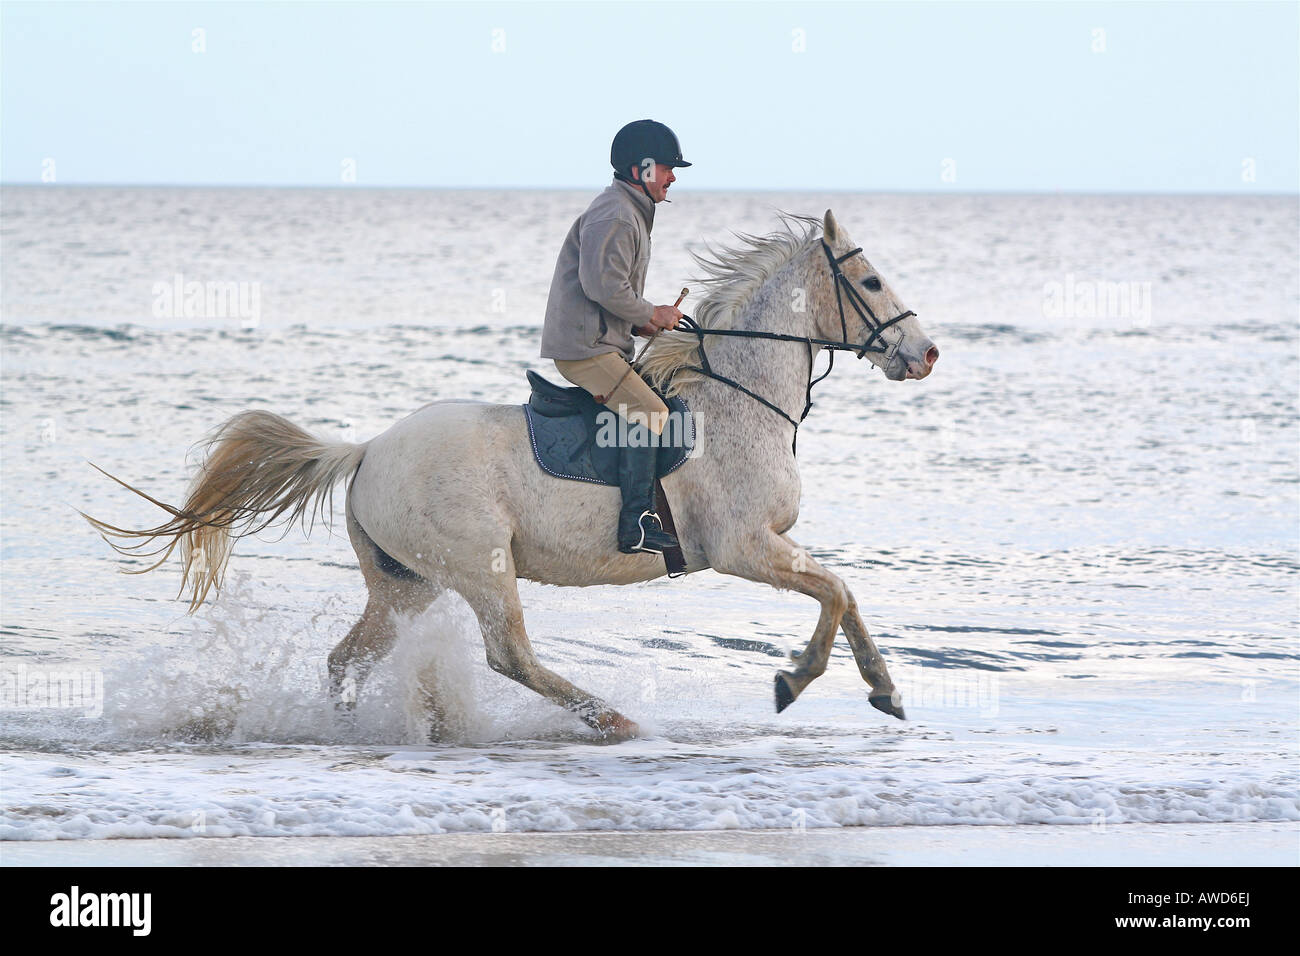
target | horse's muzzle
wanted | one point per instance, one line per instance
(919, 367)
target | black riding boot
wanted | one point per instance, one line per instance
(639, 528)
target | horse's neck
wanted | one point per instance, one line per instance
(777, 370)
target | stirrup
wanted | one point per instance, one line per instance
(640, 546)
(640, 523)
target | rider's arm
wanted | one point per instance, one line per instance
(606, 255)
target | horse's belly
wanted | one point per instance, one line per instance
(566, 533)
(567, 568)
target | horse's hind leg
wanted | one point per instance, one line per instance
(355, 656)
(391, 590)
(494, 598)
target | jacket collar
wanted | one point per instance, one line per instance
(644, 204)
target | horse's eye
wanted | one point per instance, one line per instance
(872, 283)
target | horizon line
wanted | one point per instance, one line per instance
(789, 189)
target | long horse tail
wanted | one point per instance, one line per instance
(258, 466)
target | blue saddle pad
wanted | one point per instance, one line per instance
(564, 426)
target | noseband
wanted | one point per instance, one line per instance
(843, 286)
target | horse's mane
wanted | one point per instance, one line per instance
(732, 275)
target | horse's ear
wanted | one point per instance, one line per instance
(830, 228)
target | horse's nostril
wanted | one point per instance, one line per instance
(931, 355)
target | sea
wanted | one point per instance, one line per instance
(1077, 543)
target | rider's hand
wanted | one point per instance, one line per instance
(665, 317)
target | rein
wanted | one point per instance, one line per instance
(843, 286)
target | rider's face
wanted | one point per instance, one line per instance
(657, 179)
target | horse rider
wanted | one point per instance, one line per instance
(596, 305)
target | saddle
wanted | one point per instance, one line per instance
(573, 436)
(565, 428)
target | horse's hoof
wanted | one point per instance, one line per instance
(784, 696)
(885, 702)
(618, 729)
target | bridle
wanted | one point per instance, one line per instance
(843, 286)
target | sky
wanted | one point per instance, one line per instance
(1090, 97)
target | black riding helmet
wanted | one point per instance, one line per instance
(641, 140)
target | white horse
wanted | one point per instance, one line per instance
(450, 498)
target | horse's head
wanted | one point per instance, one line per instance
(872, 313)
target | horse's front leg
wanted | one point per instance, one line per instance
(776, 560)
(884, 696)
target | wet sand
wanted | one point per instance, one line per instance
(1206, 844)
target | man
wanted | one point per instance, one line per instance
(596, 305)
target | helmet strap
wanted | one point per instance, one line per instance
(636, 182)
